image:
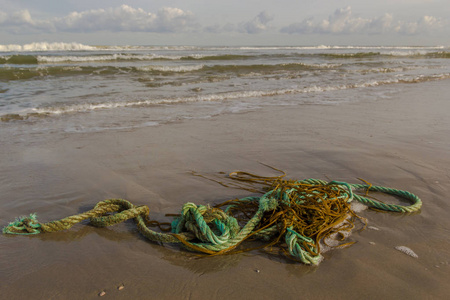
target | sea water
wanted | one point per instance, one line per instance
(71, 87)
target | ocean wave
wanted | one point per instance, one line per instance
(268, 68)
(349, 55)
(405, 53)
(147, 48)
(384, 70)
(226, 96)
(418, 53)
(136, 57)
(440, 54)
(60, 46)
(203, 71)
(113, 57)
(108, 57)
(220, 57)
(20, 73)
(18, 60)
(74, 46)
(171, 69)
(10, 74)
(392, 53)
(330, 47)
(44, 46)
(55, 59)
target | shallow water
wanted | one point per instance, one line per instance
(81, 88)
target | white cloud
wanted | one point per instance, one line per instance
(122, 18)
(21, 20)
(344, 22)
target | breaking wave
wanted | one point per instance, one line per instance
(14, 73)
(44, 46)
(60, 46)
(226, 96)
(81, 57)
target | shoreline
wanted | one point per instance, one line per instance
(401, 141)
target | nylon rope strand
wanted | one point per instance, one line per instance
(291, 215)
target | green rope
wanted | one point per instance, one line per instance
(285, 212)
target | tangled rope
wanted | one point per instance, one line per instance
(293, 215)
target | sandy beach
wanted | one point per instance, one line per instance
(401, 141)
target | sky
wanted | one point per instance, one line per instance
(230, 22)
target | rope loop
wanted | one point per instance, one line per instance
(209, 225)
(302, 248)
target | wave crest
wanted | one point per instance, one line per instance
(44, 46)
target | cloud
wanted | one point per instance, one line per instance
(21, 20)
(424, 25)
(122, 18)
(342, 21)
(257, 25)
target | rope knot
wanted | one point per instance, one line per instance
(23, 226)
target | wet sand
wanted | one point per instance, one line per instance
(402, 142)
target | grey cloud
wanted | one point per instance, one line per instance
(424, 25)
(258, 24)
